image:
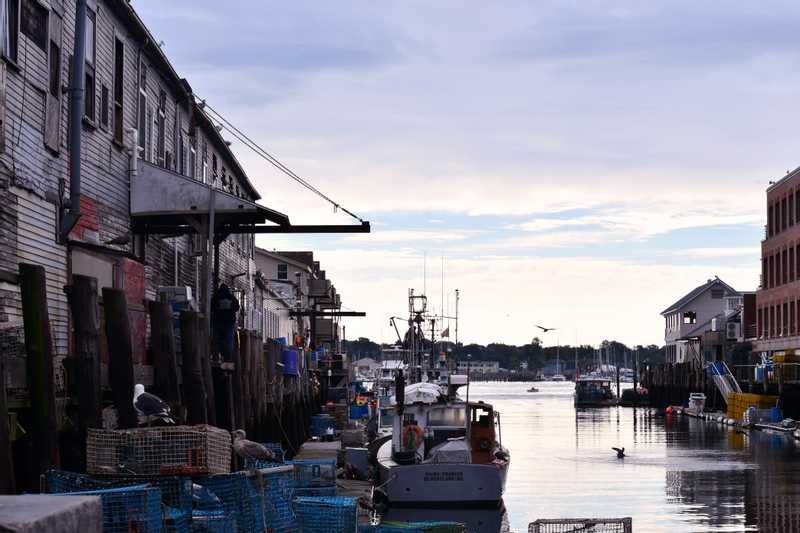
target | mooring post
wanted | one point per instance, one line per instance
(193, 387)
(205, 361)
(7, 479)
(120, 356)
(39, 350)
(617, 380)
(165, 364)
(82, 299)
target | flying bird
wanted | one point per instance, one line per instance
(247, 449)
(150, 406)
(544, 328)
(620, 452)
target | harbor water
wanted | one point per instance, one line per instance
(680, 474)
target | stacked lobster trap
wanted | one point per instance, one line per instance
(157, 451)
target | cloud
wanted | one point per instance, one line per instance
(735, 251)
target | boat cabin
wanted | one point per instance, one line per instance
(481, 433)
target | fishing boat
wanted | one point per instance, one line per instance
(558, 377)
(594, 391)
(443, 451)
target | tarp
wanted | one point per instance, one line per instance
(422, 393)
(450, 452)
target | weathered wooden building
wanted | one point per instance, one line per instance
(139, 116)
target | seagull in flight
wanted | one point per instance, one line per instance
(544, 328)
(150, 406)
(620, 452)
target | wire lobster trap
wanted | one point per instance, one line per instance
(582, 525)
(173, 450)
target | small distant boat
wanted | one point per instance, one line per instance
(533, 389)
(558, 377)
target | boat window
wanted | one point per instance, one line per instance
(446, 417)
(387, 417)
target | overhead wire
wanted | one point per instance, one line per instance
(250, 143)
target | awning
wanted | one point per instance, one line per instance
(164, 202)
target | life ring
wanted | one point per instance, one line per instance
(412, 434)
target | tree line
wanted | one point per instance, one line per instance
(534, 353)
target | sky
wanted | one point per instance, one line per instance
(579, 165)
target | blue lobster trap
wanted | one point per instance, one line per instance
(326, 514)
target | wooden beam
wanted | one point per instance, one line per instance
(82, 299)
(7, 479)
(162, 340)
(120, 356)
(194, 393)
(39, 348)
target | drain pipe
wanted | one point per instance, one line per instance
(76, 101)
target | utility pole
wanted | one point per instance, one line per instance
(456, 318)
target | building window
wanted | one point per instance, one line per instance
(192, 158)
(104, 106)
(283, 271)
(55, 70)
(791, 264)
(204, 162)
(791, 210)
(717, 293)
(89, 108)
(770, 209)
(143, 119)
(162, 123)
(119, 90)
(214, 168)
(690, 317)
(784, 214)
(33, 23)
(149, 149)
(9, 23)
(785, 321)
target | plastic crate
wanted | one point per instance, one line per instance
(172, 450)
(326, 515)
(125, 509)
(314, 473)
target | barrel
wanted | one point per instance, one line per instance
(289, 359)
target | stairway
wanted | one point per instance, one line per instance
(723, 379)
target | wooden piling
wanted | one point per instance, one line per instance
(223, 394)
(120, 356)
(194, 393)
(82, 298)
(165, 364)
(7, 479)
(208, 380)
(39, 363)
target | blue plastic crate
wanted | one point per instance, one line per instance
(125, 509)
(314, 473)
(326, 515)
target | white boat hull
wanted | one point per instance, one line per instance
(442, 483)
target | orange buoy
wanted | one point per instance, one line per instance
(669, 410)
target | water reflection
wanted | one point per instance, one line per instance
(680, 475)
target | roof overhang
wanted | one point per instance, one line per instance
(163, 201)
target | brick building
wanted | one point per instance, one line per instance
(778, 297)
(139, 117)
